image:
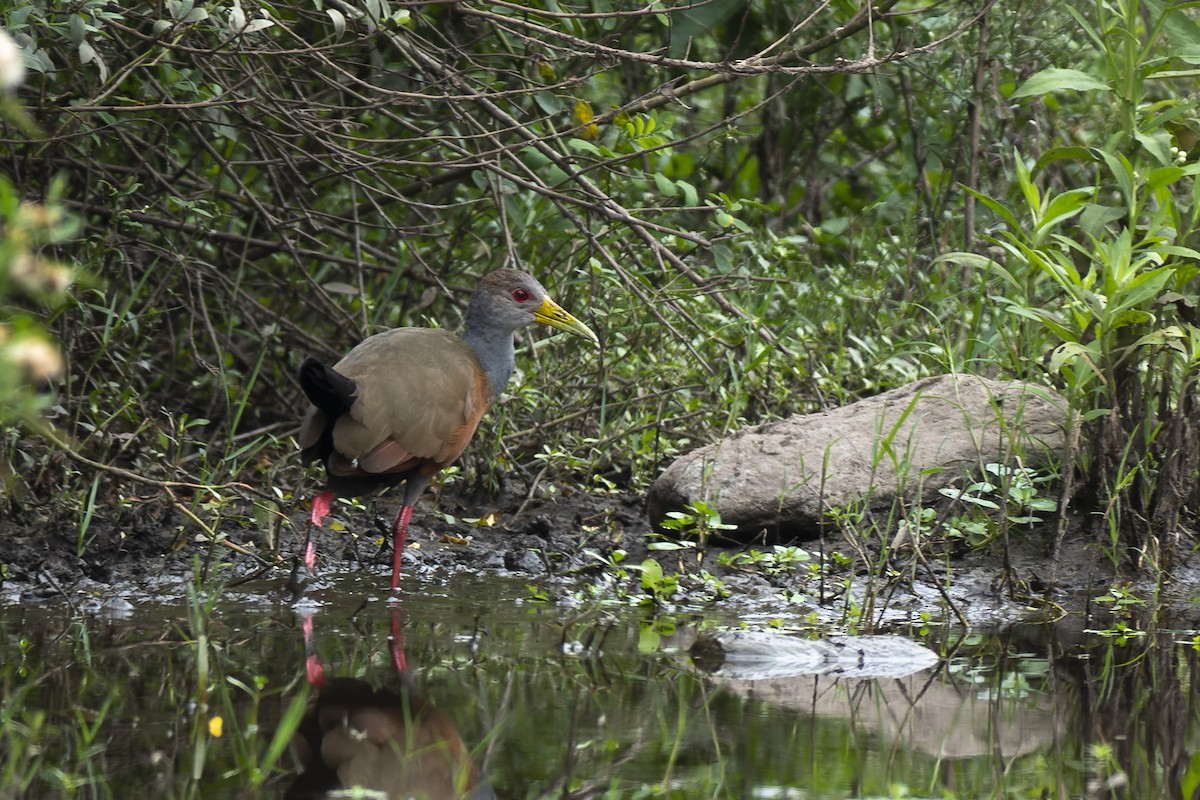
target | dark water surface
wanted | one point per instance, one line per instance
(169, 698)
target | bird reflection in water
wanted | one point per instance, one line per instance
(391, 741)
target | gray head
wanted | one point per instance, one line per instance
(509, 299)
(506, 300)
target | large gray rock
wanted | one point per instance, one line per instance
(905, 444)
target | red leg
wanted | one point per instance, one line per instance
(322, 504)
(399, 537)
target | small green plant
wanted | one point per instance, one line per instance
(1014, 492)
(1121, 599)
(700, 521)
(781, 559)
(1120, 632)
(612, 561)
(713, 585)
(659, 586)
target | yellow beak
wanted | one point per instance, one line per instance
(552, 314)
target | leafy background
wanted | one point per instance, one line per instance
(763, 208)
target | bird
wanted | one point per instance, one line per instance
(390, 740)
(403, 404)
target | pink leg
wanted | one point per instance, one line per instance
(322, 504)
(399, 537)
(312, 665)
(397, 643)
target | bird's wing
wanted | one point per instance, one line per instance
(420, 395)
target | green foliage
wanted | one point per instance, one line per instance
(1098, 265)
(323, 172)
(747, 206)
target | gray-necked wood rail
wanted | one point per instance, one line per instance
(391, 741)
(403, 404)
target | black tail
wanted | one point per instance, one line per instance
(326, 388)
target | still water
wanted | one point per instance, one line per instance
(171, 697)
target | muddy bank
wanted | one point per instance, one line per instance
(573, 539)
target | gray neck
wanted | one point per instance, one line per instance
(494, 349)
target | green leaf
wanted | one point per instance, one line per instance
(1164, 176)
(1122, 172)
(997, 208)
(969, 260)
(1096, 217)
(1140, 288)
(1029, 189)
(690, 196)
(1063, 207)
(723, 258)
(76, 29)
(339, 22)
(1071, 351)
(1040, 316)
(1157, 144)
(979, 501)
(1184, 37)
(652, 574)
(1178, 250)
(1056, 79)
(665, 185)
(1061, 154)
(549, 102)
(584, 146)
(1132, 317)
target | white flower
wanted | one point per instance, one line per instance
(36, 359)
(12, 66)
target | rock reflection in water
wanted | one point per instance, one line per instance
(390, 740)
(882, 684)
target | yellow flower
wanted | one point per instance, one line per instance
(584, 117)
(214, 726)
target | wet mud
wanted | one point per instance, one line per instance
(572, 539)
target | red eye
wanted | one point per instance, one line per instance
(520, 295)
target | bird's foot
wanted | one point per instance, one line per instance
(303, 570)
